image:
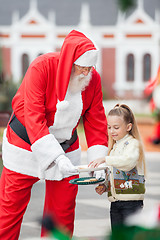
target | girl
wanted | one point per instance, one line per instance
(126, 165)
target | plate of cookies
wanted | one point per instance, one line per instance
(86, 180)
(85, 168)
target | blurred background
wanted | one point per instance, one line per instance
(126, 32)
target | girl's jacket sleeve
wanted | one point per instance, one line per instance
(127, 159)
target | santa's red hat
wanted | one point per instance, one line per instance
(78, 49)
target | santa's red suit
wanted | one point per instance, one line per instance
(50, 114)
(153, 89)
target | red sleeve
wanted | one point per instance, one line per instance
(34, 103)
(94, 118)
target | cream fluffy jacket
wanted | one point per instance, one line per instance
(124, 158)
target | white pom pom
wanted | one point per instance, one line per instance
(62, 105)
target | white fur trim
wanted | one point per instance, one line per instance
(87, 59)
(46, 150)
(23, 161)
(156, 96)
(18, 159)
(67, 118)
(95, 152)
(62, 105)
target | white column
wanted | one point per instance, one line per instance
(138, 77)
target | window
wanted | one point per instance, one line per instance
(146, 67)
(25, 63)
(130, 68)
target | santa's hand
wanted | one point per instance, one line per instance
(99, 174)
(65, 166)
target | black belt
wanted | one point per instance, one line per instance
(65, 145)
(20, 130)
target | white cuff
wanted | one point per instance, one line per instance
(96, 151)
(46, 150)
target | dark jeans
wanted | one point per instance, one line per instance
(121, 209)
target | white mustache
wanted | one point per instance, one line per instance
(79, 83)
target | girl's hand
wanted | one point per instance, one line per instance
(101, 188)
(96, 163)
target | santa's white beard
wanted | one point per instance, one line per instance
(79, 82)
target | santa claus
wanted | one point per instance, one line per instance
(41, 142)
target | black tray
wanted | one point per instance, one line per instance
(86, 180)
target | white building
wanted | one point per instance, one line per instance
(128, 44)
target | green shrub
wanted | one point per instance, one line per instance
(7, 92)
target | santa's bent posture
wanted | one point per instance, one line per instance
(41, 142)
